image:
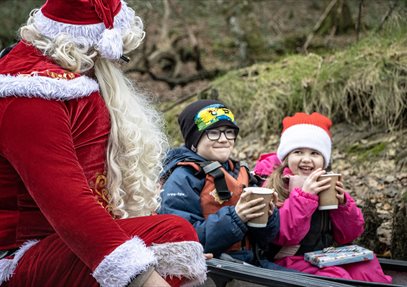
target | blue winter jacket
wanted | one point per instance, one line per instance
(181, 196)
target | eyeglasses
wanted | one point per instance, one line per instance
(214, 135)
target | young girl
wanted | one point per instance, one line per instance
(304, 151)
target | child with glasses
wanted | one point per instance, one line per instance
(202, 184)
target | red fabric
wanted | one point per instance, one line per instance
(52, 183)
(57, 152)
(42, 263)
(82, 12)
(105, 11)
(313, 119)
(32, 63)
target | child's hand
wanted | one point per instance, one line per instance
(341, 192)
(247, 210)
(208, 256)
(311, 185)
(274, 200)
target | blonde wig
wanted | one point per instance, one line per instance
(136, 142)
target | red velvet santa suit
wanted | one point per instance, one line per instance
(54, 128)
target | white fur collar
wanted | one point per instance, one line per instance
(46, 88)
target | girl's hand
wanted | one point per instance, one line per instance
(311, 185)
(274, 199)
(247, 210)
(208, 256)
(341, 192)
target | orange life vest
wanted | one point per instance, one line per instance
(220, 189)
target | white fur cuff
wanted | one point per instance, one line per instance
(122, 265)
(8, 266)
(181, 259)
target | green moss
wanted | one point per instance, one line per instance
(366, 82)
(367, 153)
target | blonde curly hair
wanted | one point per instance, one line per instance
(136, 142)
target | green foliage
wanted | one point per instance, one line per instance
(366, 82)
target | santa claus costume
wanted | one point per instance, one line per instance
(77, 183)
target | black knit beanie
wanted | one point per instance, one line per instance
(213, 114)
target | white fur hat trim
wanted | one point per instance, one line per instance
(108, 44)
(305, 136)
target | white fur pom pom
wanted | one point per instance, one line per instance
(110, 45)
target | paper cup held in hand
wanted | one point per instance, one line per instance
(327, 198)
(267, 194)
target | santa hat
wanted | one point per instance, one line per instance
(306, 131)
(92, 23)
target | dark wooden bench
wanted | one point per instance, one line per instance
(222, 272)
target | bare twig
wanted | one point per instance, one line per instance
(318, 24)
(183, 99)
(392, 6)
(359, 22)
(172, 82)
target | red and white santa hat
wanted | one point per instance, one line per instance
(306, 131)
(97, 23)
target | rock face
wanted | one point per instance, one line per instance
(373, 175)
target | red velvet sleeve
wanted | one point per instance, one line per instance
(36, 139)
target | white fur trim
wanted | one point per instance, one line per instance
(110, 44)
(122, 265)
(305, 136)
(8, 266)
(91, 34)
(181, 259)
(46, 88)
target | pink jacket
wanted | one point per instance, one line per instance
(295, 218)
(347, 224)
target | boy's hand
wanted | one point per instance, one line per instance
(247, 210)
(341, 192)
(208, 256)
(312, 185)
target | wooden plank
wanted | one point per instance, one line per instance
(222, 272)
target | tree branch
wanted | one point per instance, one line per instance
(318, 24)
(359, 22)
(392, 6)
(186, 98)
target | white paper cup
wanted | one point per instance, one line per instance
(267, 194)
